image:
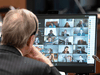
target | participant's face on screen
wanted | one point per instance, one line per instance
(67, 24)
(49, 39)
(65, 32)
(50, 50)
(80, 22)
(66, 49)
(51, 31)
(81, 31)
(80, 56)
(80, 49)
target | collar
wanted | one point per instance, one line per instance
(10, 49)
(20, 51)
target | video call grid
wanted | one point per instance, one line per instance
(60, 35)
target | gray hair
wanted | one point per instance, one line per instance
(18, 25)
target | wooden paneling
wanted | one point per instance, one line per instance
(98, 49)
(15, 3)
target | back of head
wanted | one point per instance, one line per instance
(18, 25)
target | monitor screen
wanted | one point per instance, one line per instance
(69, 41)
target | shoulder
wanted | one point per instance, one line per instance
(69, 26)
(67, 51)
(50, 26)
(22, 64)
(67, 34)
(37, 66)
(83, 34)
(33, 62)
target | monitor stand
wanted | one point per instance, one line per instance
(82, 73)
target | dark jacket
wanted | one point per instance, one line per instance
(12, 63)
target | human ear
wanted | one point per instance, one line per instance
(31, 40)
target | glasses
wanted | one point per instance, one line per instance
(35, 29)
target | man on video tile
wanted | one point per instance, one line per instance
(81, 42)
(81, 51)
(81, 24)
(65, 33)
(81, 33)
(51, 33)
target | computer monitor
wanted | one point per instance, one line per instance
(69, 41)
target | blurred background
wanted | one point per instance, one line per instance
(56, 7)
(62, 6)
(53, 6)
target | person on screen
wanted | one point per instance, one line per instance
(18, 56)
(81, 24)
(81, 33)
(80, 58)
(51, 33)
(67, 24)
(49, 41)
(36, 40)
(82, 50)
(65, 33)
(64, 58)
(52, 25)
(66, 50)
(69, 58)
(82, 42)
(79, 51)
(66, 41)
(51, 57)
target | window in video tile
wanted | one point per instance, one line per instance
(65, 32)
(66, 40)
(80, 40)
(64, 57)
(80, 22)
(48, 40)
(80, 49)
(66, 23)
(80, 58)
(52, 23)
(51, 31)
(65, 49)
(81, 31)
